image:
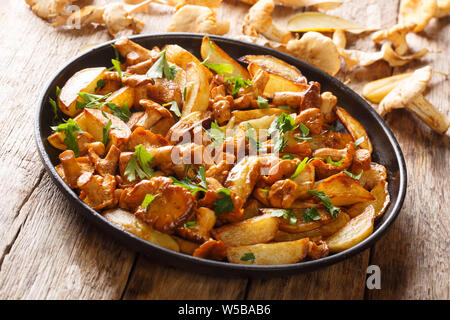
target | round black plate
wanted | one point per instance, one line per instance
(386, 152)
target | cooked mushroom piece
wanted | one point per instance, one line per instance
(97, 191)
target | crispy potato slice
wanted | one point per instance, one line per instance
(269, 253)
(181, 57)
(197, 90)
(128, 221)
(239, 117)
(355, 231)
(324, 230)
(242, 177)
(209, 49)
(343, 190)
(83, 81)
(355, 128)
(275, 66)
(302, 225)
(277, 83)
(380, 204)
(251, 231)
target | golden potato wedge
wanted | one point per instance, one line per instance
(275, 66)
(277, 83)
(242, 177)
(251, 209)
(122, 96)
(251, 231)
(93, 121)
(380, 204)
(128, 221)
(83, 81)
(269, 253)
(181, 57)
(216, 55)
(355, 231)
(186, 246)
(343, 190)
(197, 90)
(355, 128)
(240, 116)
(324, 230)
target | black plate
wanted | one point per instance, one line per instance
(386, 152)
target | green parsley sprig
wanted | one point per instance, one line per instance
(220, 68)
(162, 69)
(224, 203)
(326, 202)
(238, 83)
(311, 214)
(249, 256)
(139, 164)
(69, 128)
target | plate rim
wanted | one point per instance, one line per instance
(205, 265)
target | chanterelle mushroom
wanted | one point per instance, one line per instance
(198, 19)
(443, 8)
(408, 94)
(48, 9)
(418, 12)
(258, 21)
(396, 35)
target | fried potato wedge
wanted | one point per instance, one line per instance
(259, 229)
(275, 66)
(242, 178)
(355, 128)
(355, 231)
(301, 225)
(209, 49)
(324, 230)
(343, 190)
(83, 81)
(259, 117)
(277, 83)
(380, 204)
(128, 221)
(124, 95)
(269, 253)
(181, 57)
(186, 246)
(197, 90)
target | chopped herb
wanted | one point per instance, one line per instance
(54, 103)
(251, 136)
(100, 85)
(351, 175)
(262, 102)
(224, 203)
(300, 167)
(221, 68)
(161, 69)
(285, 108)
(116, 52)
(189, 224)
(116, 64)
(359, 141)
(287, 214)
(106, 129)
(332, 127)
(148, 199)
(91, 101)
(288, 156)
(201, 175)
(139, 164)
(190, 185)
(304, 130)
(70, 127)
(282, 124)
(238, 82)
(217, 134)
(184, 93)
(311, 214)
(326, 202)
(249, 256)
(265, 190)
(335, 163)
(123, 113)
(173, 107)
(279, 143)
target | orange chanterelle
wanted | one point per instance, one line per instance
(215, 160)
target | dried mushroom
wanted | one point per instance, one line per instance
(417, 12)
(199, 19)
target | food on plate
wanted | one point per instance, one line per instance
(223, 159)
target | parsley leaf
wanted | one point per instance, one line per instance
(304, 130)
(359, 141)
(173, 107)
(311, 214)
(201, 175)
(335, 163)
(326, 202)
(123, 113)
(224, 203)
(100, 85)
(70, 127)
(282, 124)
(285, 108)
(148, 199)
(300, 167)
(161, 69)
(116, 64)
(262, 102)
(279, 143)
(217, 134)
(190, 185)
(288, 156)
(238, 82)
(54, 103)
(92, 101)
(220, 68)
(251, 136)
(189, 224)
(287, 214)
(139, 164)
(351, 175)
(249, 256)
(106, 129)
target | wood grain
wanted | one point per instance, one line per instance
(47, 250)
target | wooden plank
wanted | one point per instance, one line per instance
(59, 255)
(414, 255)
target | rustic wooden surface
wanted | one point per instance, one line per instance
(47, 251)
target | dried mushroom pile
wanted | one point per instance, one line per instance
(216, 160)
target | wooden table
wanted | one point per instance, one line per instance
(48, 251)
